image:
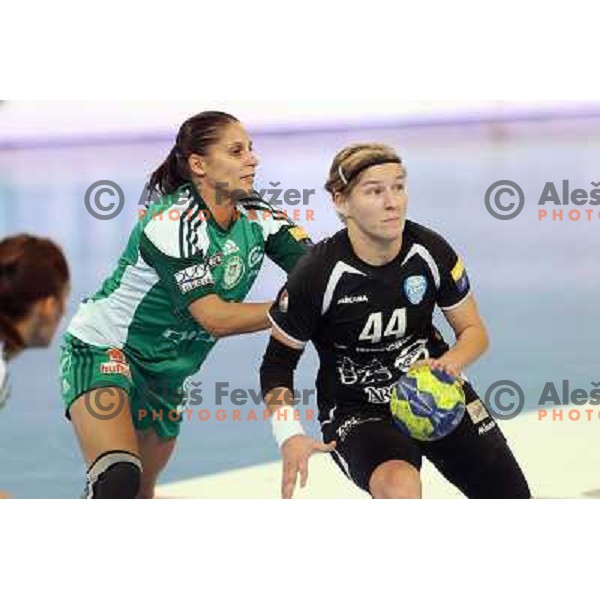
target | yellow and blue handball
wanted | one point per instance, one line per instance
(427, 404)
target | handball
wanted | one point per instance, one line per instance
(427, 405)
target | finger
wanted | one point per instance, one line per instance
(290, 474)
(303, 473)
(321, 447)
(424, 362)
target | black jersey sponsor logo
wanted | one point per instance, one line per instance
(477, 411)
(353, 299)
(352, 373)
(485, 428)
(379, 395)
(349, 424)
(411, 354)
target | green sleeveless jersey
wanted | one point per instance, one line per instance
(177, 254)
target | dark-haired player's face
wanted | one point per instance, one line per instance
(231, 163)
(46, 316)
(377, 204)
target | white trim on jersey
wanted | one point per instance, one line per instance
(106, 322)
(426, 256)
(270, 225)
(344, 465)
(331, 416)
(165, 233)
(336, 274)
(446, 308)
(285, 333)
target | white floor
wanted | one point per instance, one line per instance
(560, 460)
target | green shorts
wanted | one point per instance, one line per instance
(155, 403)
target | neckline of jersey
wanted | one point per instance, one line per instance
(406, 244)
(212, 222)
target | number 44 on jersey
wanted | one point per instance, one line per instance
(396, 327)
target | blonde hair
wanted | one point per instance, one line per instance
(350, 162)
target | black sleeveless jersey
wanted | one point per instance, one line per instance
(369, 324)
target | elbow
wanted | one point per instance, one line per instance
(485, 340)
(216, 328)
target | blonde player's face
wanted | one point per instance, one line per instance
(377, 204)
(230, 164)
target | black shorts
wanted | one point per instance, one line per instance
(475, 457)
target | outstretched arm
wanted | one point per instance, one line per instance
(221, 318)
(277, 375)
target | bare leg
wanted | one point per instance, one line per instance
(98, 434)
(102, 422)
(155, 453)
(395, 479)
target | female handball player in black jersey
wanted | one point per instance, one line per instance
(365, 297)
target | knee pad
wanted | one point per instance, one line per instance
(114, 475)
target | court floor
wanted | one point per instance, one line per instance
(561, 459)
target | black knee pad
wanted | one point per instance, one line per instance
(114, 475)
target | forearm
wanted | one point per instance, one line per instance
(469, 346)
(245, 317)
(278, 398)
(222, 319)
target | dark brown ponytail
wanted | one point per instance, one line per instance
(195, 136)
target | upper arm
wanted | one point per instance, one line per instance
(207, 312)
(465, 315)
(454, 285)
(285, 242)
(282, 337)
(296, 312)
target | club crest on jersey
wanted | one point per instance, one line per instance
(415, 288)
(233, 272)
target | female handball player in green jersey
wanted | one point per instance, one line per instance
(34, 285)
(178, 287)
